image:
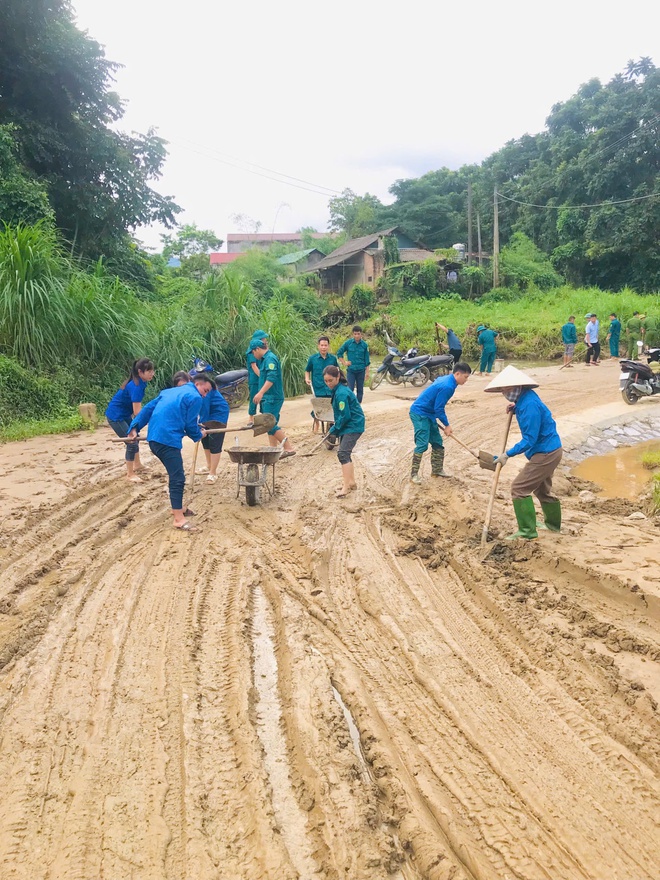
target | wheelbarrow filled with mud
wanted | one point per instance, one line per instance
(252, 472)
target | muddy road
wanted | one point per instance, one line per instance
(316, 688)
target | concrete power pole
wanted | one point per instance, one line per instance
(479, 239)
(469, 210)
(496, 242)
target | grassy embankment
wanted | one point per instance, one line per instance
(529, 323)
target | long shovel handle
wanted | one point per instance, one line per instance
(464, 445)
(496, 478)
(194, 467)
(126, 440)
(318, 446)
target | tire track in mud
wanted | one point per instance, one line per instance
(498, 739)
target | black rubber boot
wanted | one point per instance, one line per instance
(416, 464)
(437, 462)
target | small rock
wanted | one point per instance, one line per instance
(636, 515)
(588, 496)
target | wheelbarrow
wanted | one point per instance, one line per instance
(252, 472)
(324, 416)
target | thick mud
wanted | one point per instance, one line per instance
(316, 688)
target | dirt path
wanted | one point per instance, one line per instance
(325, 689)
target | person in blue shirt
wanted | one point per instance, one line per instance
(348, 426)
(453, 342)
(354, 355)
(270, 396)
(213, 414)
(569, 338)
(614, 335)
(541, 446)
(427, 413)
(171, 416)
(253, 371)
(127, 403)
(591, 338)
(316, 364)
(486, 339)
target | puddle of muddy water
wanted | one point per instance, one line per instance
(354, 734)
(291, 819)
(620, 473)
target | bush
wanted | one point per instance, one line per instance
(24, 395)
(361, 302)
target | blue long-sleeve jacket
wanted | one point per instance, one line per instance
(349, 417)
(214, 408)
(538, 428)
(432, 401)
(171, 415)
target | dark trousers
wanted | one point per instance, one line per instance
(593, 352)
(356, 378)
(173, 461)
(121, 430)
(214, 442)
(456, 353)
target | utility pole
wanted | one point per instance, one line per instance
(496, 242)
(469, 210)
(479, 238)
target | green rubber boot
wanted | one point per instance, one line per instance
(526, 518)
(416, 464)
(437, 462)
(551, 515)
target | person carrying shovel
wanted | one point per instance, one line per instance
(542, 448)
(348, 426)
(425, 414)
(170, 416)
(270, 396)
(253, 371)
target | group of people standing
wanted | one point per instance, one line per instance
(639, 328)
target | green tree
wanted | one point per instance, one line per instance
(189, 240)
(355, 215)
(22, 198)
(55, 89)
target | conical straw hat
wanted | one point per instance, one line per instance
(511, 377)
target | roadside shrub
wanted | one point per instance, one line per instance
(24, 395)
(361, 302)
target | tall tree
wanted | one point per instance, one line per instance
(55, 89)
(355, 215)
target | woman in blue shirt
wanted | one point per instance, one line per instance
(126, 404)
(541, 446)
(348, 426)
(171, 416)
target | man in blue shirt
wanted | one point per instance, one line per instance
(270, 396)
(569, 338)
(170, 416)
(542, 448)
(453, 342)
(425, 414)
(591, 338)
(354, 355)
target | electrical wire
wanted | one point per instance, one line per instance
(288, 180)
(597, 205)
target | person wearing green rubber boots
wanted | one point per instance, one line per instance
(542, 448)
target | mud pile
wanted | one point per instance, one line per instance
(315, 688)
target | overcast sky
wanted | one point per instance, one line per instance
(345, 94)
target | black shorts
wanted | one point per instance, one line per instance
(214, 441)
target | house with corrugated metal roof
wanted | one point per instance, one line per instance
(362, 260)
(302, 261)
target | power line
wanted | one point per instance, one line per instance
(215, 155)
(598, 205)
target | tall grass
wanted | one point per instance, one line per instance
(34, 309)
(529, 323)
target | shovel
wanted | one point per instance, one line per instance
(485, 459)
(496, 477)
(262, 424)
(318, 446)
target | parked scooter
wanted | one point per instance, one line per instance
(638, 380)
(233, 384)
(409, 369)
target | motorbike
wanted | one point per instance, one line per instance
(233, 384)
(414, 369)
(638, 380)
